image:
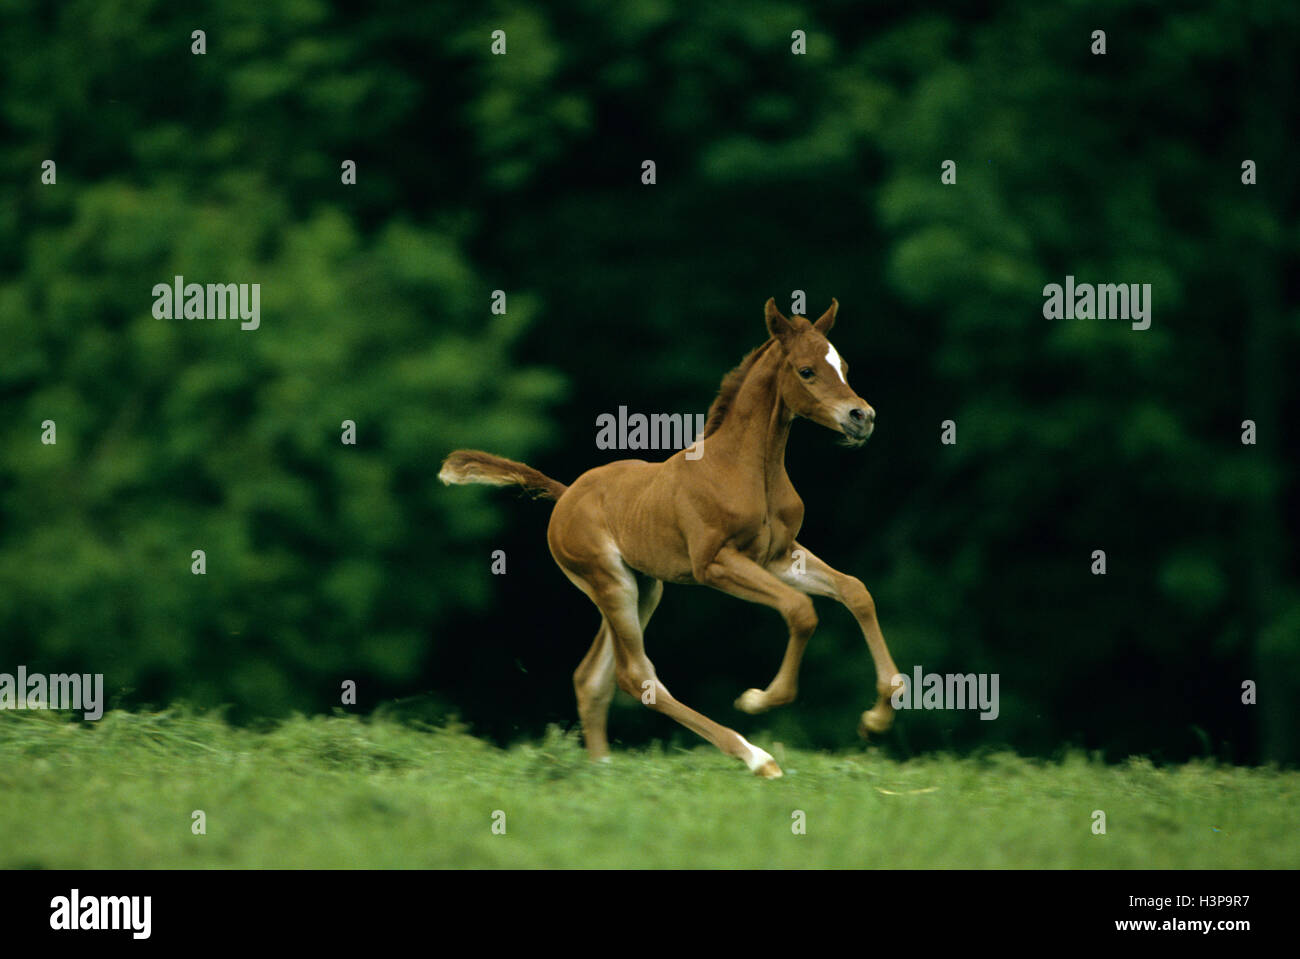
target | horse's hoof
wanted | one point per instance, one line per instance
(751, 701)
(769, 770)
(875, 721)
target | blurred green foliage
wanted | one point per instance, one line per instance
(775, 173)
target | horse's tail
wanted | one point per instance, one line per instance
(475, 466)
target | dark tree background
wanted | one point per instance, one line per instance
(776, 172)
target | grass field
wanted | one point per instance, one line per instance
(341, 792)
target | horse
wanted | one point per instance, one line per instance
(722, 513)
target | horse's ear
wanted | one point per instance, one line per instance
(777, 324)
(827, 319)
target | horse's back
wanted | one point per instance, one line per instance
(627, 508)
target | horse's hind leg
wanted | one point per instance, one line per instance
(612, 586)
(593, 681)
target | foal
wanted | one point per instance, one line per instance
(725, 516)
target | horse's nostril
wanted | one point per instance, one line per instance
(858, 414)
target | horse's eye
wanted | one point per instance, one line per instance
(806, 372)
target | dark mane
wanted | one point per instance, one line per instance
(730, 387)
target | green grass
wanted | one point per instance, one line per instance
(342, 792)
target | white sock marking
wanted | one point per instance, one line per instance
(756, 756)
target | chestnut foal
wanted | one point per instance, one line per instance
(726, 516)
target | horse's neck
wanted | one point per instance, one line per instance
(752, 438)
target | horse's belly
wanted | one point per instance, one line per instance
(662, 555)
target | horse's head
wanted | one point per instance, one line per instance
(813, 379)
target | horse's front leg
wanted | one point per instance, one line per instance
(808, 574)
(739, 576)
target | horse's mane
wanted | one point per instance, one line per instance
(730, 387)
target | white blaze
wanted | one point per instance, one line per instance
(836, 363)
